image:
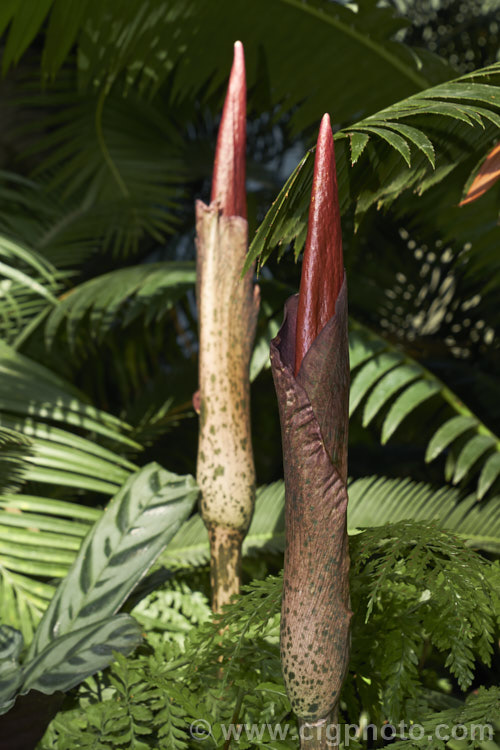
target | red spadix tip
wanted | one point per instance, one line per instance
(323, 265)
(228, 185)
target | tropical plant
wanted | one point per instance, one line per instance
(80, 630)
(109, 128)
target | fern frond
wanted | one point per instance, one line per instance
(391, 383)
(474, 721)
(169, 613)
(442, 127)
(373, 501)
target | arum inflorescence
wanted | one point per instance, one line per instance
(227, 311)
(310, 363)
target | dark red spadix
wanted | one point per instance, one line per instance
(323, 265)
(228, 184)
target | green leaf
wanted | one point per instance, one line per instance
(363, 347)
(11, 645)
(69, 659)
(358, 141)
(116, 554)
(283, 222)
(387, 386)
(376, 501)
(267, 531)
(489, 473)
(114, 41)
(398, 143)
(447, 433)
(412, 397)
(470, 453)
(369, 375)
(25, 24)
(417, 137)
(121, 296)
(31, 390)
(445, 133)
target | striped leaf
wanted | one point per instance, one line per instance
(116, 554)
(11, 645)
(69, 659)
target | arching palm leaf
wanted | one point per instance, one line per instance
(33, 401)
(28, 285)
(441, 128)
(373, 501)
(120, 161)
(148, 39)
(390, 383)
(119, 297)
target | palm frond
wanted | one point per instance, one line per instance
(27, 288)
(442, 127)
(392, 385)
(119, 297)
(119, 161)
(62, 232)
(13, 447)
(142, 41)
(39, 539)
(33, 402)
(373, 501)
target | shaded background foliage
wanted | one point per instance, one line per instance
(108, 119)
(110, 115)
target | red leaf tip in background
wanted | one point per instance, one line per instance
(323, 265)
(228, 185)
(485, 178)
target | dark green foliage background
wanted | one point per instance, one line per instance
(109, 115)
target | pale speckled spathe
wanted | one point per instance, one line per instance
(227, 308)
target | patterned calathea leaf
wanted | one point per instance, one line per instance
(117, 553)
(313, 394)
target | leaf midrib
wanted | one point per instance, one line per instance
(364, 40)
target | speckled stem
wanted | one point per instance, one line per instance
(315, 614)
(319, 735)
(227, 310)
(225, 564)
